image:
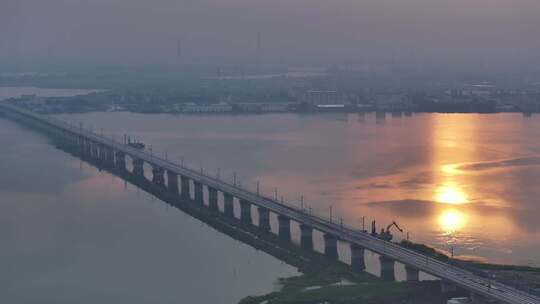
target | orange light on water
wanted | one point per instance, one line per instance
(452, 220)
(451, 193)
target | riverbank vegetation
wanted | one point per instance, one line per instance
(336, 284)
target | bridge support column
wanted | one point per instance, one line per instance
(102, 154)
(245, 212)
(120, 162)
(330, 246)
(306, 237)
(264, 219)
(185, 191)
(284, 231)
(213, 199)
(84, 148)
(447, 287)
(157, 176)
(478, 299)
(228, 205)
(110, 157)
(81, 144)
(172, 182)
(387, 268)
(94, 152)
(138, 167)
(358, 262)
(199, 197)
(412, 274)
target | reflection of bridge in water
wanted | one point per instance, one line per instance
(185, 188)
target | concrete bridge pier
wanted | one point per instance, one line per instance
(284, 228)
(330, 246)
(412, 274)
(264, 219)
(387, 268)
(245, 212)
(157, 176)
(172, 182)
(138, 167)
(358, 263)
(120, 162)
(86, 149)
(306, 237)
(94, 152)
(185, 192)
(447, 287)
(228, 205)
(199, 196)
(213, 199)
(81, 142)
(102, 154)
(478, 299)
(110, 157)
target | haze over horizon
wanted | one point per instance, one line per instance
(488, 32)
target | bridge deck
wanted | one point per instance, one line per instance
(450, 273)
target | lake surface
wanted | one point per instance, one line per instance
(73, 234)
(461, 182)
(9, 92)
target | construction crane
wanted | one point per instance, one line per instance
(393, 224)
(386, 234)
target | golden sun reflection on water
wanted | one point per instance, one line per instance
(452, 220)
(451, 193)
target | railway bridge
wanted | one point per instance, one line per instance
(190, 184)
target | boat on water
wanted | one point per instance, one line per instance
(137, 145)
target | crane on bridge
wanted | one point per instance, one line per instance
(384, 234)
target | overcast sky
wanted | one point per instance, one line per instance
(291, 30)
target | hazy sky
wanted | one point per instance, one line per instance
(292, 30)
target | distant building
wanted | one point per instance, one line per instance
(267, 107)
(207, 108)
(326, 98)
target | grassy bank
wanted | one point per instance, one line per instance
(335, 284)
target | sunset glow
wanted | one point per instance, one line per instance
(451, 193)
(452, 220)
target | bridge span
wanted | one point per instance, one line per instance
(187, 183)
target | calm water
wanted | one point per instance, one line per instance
(462, 181)
(9, 92)
(72, 234)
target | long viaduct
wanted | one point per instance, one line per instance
(188, 184)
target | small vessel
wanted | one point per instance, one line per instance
(135, 144)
